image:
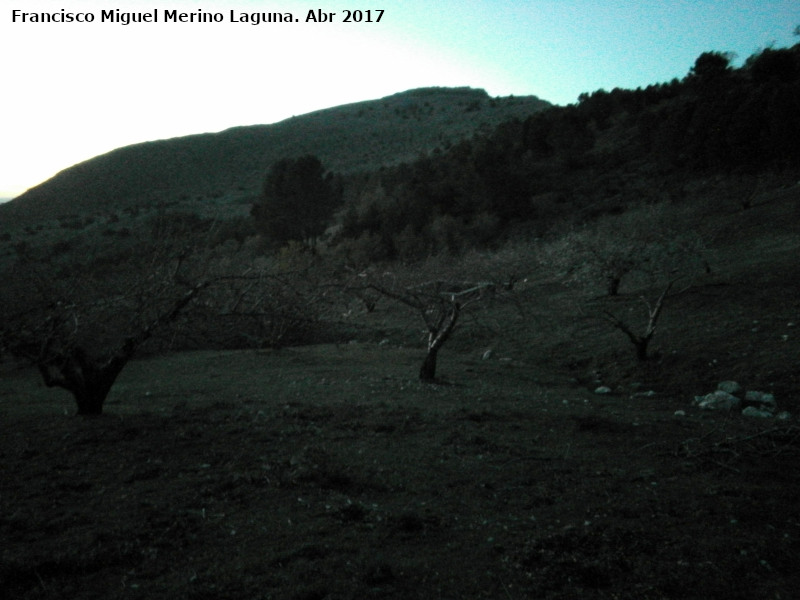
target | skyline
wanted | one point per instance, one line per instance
(73, 91)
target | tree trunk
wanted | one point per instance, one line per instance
(613, 285)
(641, 349)
(88, 382)
(428, 370)
(90, 401)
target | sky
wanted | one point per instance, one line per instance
(71, 91)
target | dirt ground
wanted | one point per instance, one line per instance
(329, 472)
(304, 475)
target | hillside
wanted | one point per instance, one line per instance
(327, 471)
(355, 137)
(273, 439)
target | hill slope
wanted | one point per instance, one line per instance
(349, 138)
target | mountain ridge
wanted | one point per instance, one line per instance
(348, 138)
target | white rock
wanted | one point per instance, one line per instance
(752, 411)
(718, 400)
(488, 354)
(679, 413)
(761, 398)
(729, 386)
(603, 389)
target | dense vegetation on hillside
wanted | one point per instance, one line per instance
(608, 151)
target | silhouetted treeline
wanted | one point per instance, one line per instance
(716, 119)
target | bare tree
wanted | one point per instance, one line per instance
(268, 308)
(80, 325)
(647, 241)
(641, 341)
(439, 303)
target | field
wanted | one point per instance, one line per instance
(311, 474)
(330, 472)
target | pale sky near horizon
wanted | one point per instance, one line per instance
(71, 91)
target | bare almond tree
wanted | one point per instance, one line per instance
(646, 242)
(266, 308)
(80, 325)
(439, 303)
(641, 341)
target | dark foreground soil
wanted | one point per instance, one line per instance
(302, 475)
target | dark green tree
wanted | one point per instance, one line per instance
(710, 67)
(297, 200)
(773, 65)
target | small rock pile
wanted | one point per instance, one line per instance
(728, 396)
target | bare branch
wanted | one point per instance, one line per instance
(641, 341)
